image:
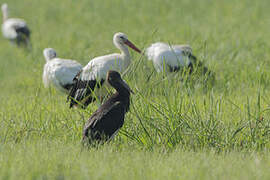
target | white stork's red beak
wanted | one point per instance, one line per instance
(131, 45)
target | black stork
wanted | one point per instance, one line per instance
(109, 118)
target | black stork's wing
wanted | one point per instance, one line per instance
(23, 34)
(105, 122)
(200, 64)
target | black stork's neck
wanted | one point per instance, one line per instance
(120, 86)
(123, 95)
(122, 89)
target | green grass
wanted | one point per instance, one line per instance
(51, 160)
(176, 129)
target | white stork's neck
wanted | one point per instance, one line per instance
(124, 52)
(49, 54)
(47, 58)
(5, 13)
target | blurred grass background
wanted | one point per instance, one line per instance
(175, 129)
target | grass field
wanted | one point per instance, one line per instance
(176, 129)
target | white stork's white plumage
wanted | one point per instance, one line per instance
(93, 75)
(59, 72)
(170, 57)
(14, 29)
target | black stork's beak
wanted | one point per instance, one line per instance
(125, 85)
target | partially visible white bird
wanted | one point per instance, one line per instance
(170, 58)
(15, 29)
(59, 72)
(93, 75)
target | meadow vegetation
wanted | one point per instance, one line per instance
(178, 127)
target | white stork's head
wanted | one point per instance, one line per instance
(49, 53)
(4, 8)
(120, 40)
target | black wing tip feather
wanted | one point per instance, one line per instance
(23, 37)
(190, 66)
(67, 86)
(194, 62)
(191, 56)
(205, 70)
(23, 30)
(76, 93)
(73, 89)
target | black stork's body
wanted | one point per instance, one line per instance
(109, 118)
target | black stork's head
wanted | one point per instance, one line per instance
(115, 80)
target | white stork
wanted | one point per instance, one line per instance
(93, 75)
(170, 58)
(14, 29)
(59, 72)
